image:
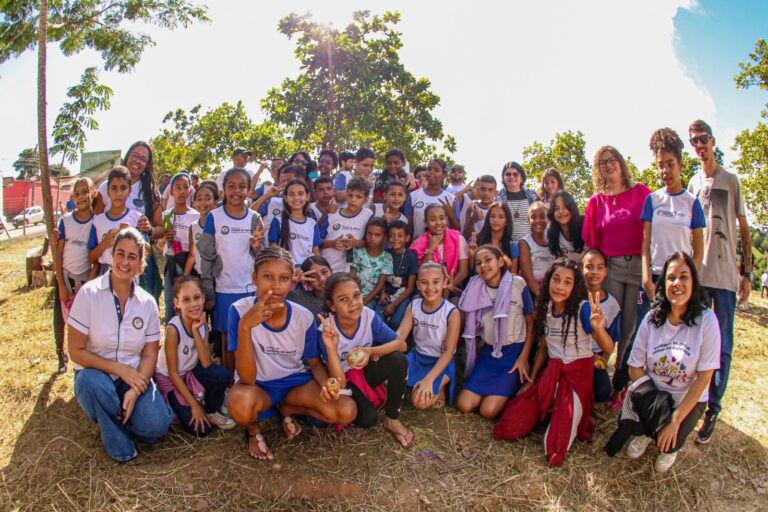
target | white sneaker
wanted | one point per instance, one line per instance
(223, 409)
(221, 421)
(637, 446)
(664, 461)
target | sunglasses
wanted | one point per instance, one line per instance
(703, 139)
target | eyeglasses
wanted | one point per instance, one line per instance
(140, 158)
(703, 139)
(299, 162)
(606, 162)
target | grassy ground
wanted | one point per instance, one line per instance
(51, 455)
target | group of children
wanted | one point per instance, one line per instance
(330, 297)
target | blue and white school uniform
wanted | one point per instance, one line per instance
(272, 208)
(429, 333)
(135, 199)
(232, 238)
(197, 230)
(478, 226)
(280, 354)
(340, 182)
(75, 235)
(371, 331)
(186, 352)
(305, 236)
(541, 257)
(578, 339)
(490, 375)
(601, 382)
(102, 224)
(182, 222)
(337, 225)
(378, 211)
(416, 204)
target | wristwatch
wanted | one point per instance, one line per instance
(747, 274)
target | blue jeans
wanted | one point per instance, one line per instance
(621, 376)
(397, 316)
(102, 401)
(214, 379)
(725, 309)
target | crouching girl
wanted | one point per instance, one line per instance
(271, 337)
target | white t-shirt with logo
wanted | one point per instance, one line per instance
(305, 236)
(181, 225)
(612, 311)
(672, 218)
(520, 305)
(578, 342)
(95, 313)
(672, 354)
(541, 257)
(233, 245)
(371, 331)
(186, 350)
(417, 203)
(378, 211)
(338, 225)
(271, 209)
(103, 223)
(197, 230)
(135, 199)
(279, 354)
(430, 329)
(75, 235)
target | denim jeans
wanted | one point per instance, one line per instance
(725, 309)
(621, 376)
(214, 379)
(102, 400)
(398, 315)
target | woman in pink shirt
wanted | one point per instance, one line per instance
(612, 224)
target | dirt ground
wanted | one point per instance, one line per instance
(51, 455)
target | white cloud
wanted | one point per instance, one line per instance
(508, 73)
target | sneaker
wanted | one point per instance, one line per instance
(223, 409)
(615, 404)
(637, 446)
(664, 461)
(704, 435)
(221, 421)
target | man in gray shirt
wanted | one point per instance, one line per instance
(719, 192)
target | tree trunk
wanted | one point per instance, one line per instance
(42, 125)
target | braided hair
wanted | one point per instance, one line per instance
(271, 253)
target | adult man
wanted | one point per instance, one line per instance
(719, 192)
(240, 158)
(456, 178)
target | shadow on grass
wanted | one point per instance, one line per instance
(58, 462)
(756, 314)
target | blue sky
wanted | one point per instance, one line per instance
(508, 73)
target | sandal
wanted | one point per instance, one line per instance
(288, 424)
(261, 445)
(405, 439)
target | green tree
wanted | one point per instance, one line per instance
(754, 72)
(566, 154)
(650, 175)
(27, 165)
(199, 142)
(353, 90)
(108, 27)
(76, 115)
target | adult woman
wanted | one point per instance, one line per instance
(114, 333)
(678, 347)
(144, 196)
(517, 198)
(303, 160)
(612, 224)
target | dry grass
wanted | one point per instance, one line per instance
(52, 457)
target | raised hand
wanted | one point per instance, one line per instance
(274, 192)
(257, 237)
(330, 333)
(261, 312)
(448, 208)
(472, 247)
(597, 318)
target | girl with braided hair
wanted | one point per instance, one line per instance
(271, 337)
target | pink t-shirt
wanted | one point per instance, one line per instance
(612, 223)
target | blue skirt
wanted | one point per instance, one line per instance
(420, 365)
(221, 309)
(491, 375)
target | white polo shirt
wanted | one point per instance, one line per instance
(119, 338)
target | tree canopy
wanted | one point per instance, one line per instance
(27, 166)
(353, 90)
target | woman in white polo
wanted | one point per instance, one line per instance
(114, 334)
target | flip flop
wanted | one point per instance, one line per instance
(402, 437)
(289, 421)
(261, 444)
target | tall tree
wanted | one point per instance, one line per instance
(76, 25)
(27, 165)
(650, 175)
(354, 91)
(199, 142)
(752, 145)
(567, 155)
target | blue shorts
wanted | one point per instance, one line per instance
(221, 309)
(420, 365)
(278, 389)
(491, 376)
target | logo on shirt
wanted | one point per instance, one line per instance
(138, 203)
(336, 227)
(197, 236)
(292, 236)
(185, 350)
(137, 322)
(415, 322)
(277, 351)
(224, 230)
(276, 212)
(419, 204)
